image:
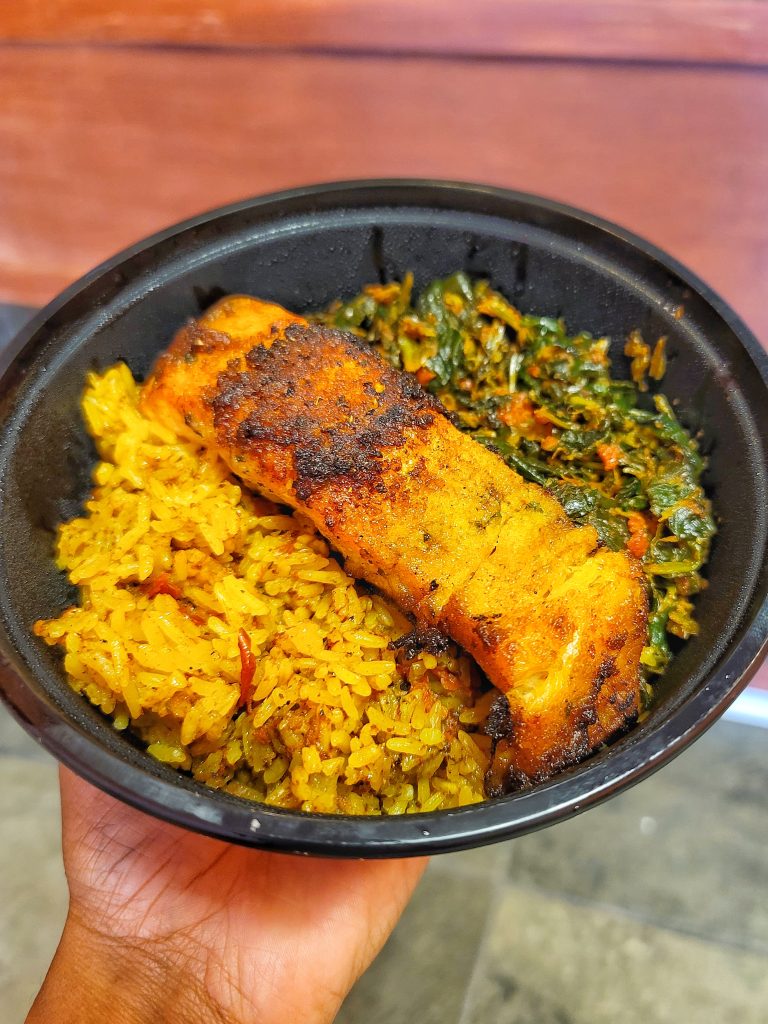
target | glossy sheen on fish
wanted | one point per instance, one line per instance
(314, 418)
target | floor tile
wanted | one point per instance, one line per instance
(546, 961)
(16, 742)
(685, 849)
(33, 893)
(490, 862)
(423, 971)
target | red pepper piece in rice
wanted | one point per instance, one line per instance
(247, 667)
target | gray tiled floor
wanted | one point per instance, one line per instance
(552, 962)
(687, 849)
(426, 966)
(652, 908)
(33, 893)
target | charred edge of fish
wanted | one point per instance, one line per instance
(503, 780)
(499, 723)
(418, 640)
(502, 776)
(587, 715)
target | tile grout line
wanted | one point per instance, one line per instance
(500, 875)
(627, 914)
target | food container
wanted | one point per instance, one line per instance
(302, 248)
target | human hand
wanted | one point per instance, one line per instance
(166, 925)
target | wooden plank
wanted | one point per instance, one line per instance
(99, 147)
(670, 30)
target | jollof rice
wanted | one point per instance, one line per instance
(222, 631)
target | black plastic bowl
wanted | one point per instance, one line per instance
(303, 248)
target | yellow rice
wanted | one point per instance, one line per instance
(338, 720)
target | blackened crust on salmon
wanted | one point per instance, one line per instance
(275, 401)
(426, 639)
(606, 671)
(499, 723)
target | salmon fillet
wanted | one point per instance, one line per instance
(314, 418)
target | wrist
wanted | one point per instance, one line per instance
(97, 977)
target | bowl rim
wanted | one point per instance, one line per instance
(183, 802)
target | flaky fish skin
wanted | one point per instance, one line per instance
(316, 419)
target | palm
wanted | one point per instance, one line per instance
(265, 929)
